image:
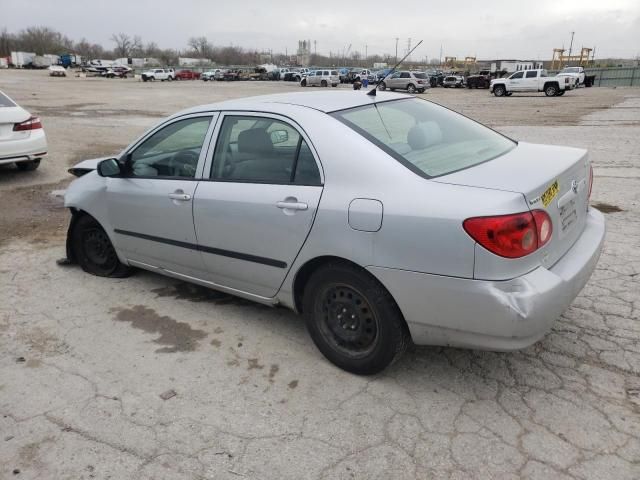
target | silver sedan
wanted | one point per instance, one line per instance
(382, 219)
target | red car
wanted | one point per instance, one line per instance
(187, 75)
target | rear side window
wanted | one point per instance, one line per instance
(5, 102)
(532, 74)
(405, 75)
(428, 139)
(420, 75)
(262, 150)
(334, 72)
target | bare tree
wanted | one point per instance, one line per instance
(123, 43)
(7, 42)
(201, 46)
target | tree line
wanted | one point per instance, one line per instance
(42, 39)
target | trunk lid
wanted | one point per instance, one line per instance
(551, 178)
(9, 116)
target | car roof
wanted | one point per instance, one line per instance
(326, 102)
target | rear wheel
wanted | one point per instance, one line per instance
(411, 88)
(94, 251)
(353, 320)
(550, 90)
(303, 83)
(499, 90)
(382, 86)
(28, 166)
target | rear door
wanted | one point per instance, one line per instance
(530, 80)
(255, 211)
(150, 208)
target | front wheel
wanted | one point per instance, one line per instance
(303, 83)
(353, 320)
(382, 86)
(499, 91)
(323, 83)
(94, 251)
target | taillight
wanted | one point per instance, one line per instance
(32, 123)
(511, 236)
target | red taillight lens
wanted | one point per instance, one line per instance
(511, 236)
(32, 124)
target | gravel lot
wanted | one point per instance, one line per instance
(149, 378)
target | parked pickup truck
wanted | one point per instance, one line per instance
(482, 79)
(531, 81)
(158, 74)
(575, 73)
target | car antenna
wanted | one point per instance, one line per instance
(373, 92)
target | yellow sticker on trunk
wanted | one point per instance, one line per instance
(550, 193)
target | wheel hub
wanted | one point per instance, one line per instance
(349, 321)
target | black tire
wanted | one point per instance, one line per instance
(411, 88)
(303, 83)
(392, 89)
(334, 85)
(550, 90)
(422, 90)
(144, 79)
(323, 83)
(93, 250)
(499, 91)
(28, 166)
(353, 320)
(382, 86)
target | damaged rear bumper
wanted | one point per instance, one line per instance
(494, 315)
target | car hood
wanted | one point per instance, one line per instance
(86, 166)
(567, 74)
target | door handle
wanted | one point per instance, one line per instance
(183, 197)
(292, 205)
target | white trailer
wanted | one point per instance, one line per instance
(22, 59)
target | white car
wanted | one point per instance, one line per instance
(22, 138)
(321, 78)
(161, 74)
(576, 73)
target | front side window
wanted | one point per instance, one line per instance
(172, 151)
(427, 138)
(516, 75)
(262, 150)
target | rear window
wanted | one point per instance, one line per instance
(5, 102)
(420, 75)
(334, 72)
(427, 138)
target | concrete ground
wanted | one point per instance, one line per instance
(149, 378)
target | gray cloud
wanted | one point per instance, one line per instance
(499, 28)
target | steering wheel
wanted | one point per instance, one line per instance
(184, 163)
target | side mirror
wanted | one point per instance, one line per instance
(110, 168)
(279, 136)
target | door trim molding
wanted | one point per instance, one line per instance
(202, 248)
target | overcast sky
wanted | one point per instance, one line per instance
(483, 28)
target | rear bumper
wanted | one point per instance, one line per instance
(494, 315)
(24, 150)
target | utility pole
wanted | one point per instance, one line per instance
(315, 47)
(440, 60)
(570, 47)
(366, 54)
(397, 38)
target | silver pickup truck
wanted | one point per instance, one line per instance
(531, 81)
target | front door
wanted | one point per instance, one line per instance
(255, 212)
(150, 208)
(515, 82)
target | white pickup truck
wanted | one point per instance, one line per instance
(576, 73)
(531, 81)
(158, 74)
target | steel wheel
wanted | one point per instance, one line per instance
(411, 88)
(97, 248)
(349, 324)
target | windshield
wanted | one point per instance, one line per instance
(5, 102)
(571, 70)
(427, 138)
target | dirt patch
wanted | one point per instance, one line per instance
(272, 372)
(606, 207)
(177, 336)
(254, 364)
(293, 384)
(33, 214)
